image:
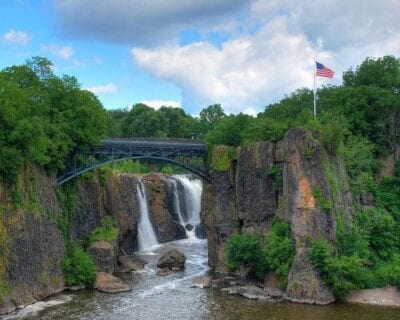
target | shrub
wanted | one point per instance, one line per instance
(280, 250)
(380, 229)
(106, 232)
(342, 274)
(324, 203)
(389, 273)
(221, 158)
(78, 267)
(245, 250)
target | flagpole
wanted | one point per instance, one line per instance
(315, 100)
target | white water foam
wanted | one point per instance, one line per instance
(190, 214)
(147, 238)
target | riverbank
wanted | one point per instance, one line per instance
(171, 297)
(387, 297)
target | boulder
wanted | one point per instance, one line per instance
(164, 272)
(189, 227)
(130, 263)
(172, 259)
(110, 284)
(200, 232)
(249, 292)
(201, 282)
(103, 255)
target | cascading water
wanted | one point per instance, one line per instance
(146, 236)
(187, 210)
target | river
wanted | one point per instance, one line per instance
(170, 297)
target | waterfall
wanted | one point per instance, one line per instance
(146, 236)
(187, 204)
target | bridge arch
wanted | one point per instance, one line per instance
(78, 171)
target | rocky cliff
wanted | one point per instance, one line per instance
(32, 246)
(35, 210)
(293, 179)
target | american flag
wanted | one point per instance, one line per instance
(323, 71)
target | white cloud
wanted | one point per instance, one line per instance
(243, 75)
(257, 67)
(107, 88)
(60, 52)
(16, 37)
(157, 104)
(336, 22)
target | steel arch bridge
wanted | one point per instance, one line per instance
(180, 152)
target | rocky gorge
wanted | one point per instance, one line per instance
(293, 179)
(37, 217)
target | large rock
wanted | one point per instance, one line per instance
(160, 206)
(172, 259)
(130, 263)
(303, 173)
(110, 284)
(269, 179)
(201, 282)
(104, 256)
(200, 232)
(249, 292)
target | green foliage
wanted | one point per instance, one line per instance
(387, 194)
(131, 166)
(107, 231)
(323, 202)
(78, 267)
(44, 118)
(380, 229)
(66, 195)
(389, 273)
(221, 158)
(167, 170)
(245, 250)
(280, 250)
(342, 274)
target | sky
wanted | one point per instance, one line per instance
(242, 54)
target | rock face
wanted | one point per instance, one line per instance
(172, 259)
(108, 283)
(165, 224)
(104, 255)
(292, 179)
(31, 245)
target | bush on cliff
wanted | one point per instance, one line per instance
(107, 231)
(78, 267)
(245, 250)
(280, 250)
(342, 274)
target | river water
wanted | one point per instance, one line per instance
(170, 297)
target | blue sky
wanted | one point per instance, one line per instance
(192, 53)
